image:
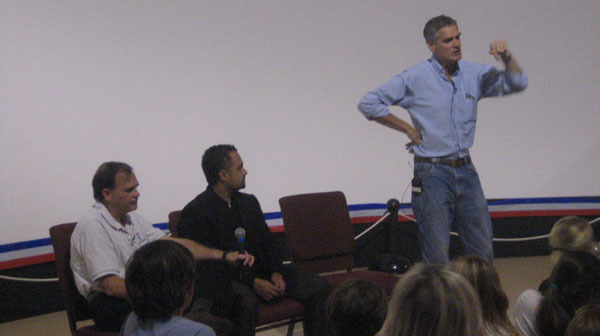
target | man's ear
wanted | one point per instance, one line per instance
(106, 194)
(430, 45)
(223, 175)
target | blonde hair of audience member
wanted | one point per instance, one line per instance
(572, 234)
(433, 300)
(484, 278)
(586, 321)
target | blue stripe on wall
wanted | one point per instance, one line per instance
(354, 207)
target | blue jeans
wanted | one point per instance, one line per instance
(449, 196)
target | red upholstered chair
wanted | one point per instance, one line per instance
(77, 306)
(278, 314)
(320, 237)
(281, 313)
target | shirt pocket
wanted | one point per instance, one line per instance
(467, 107)
(468, 104)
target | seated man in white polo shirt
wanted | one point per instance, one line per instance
(108, 234)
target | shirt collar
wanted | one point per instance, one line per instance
(110, 220)
(216, 198)
(439, 69)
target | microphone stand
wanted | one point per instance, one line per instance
(391, 227)
(391, 260)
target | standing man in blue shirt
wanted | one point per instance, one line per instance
(441, 95)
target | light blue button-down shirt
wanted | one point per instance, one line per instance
(445, 112)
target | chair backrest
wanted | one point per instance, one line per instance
(318, 231)
(174, 217)
(77, 306)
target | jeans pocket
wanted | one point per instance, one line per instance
(423, 170)
(472, 169)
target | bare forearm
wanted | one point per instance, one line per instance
(394, 122)
(499, 49)
(511, 63)
(114, 286)
(200, 252)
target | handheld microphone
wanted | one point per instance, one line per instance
(240, 235)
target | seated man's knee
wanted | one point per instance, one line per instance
(247, 300)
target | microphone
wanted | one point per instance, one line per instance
(240, 235)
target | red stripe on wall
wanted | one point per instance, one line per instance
(26, 261)
(500, 214)
(276, 229)
(545, 213)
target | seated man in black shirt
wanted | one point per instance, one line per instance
(212, 218)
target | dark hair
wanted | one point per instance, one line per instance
(432, 27)
(575, 281)
(215, 159)
(586, 321)
(105, 177)
(158, 277)
(357, 307)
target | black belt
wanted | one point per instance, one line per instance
(454, 163)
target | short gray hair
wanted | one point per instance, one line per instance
(433, 26)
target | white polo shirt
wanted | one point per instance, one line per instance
(101, 246)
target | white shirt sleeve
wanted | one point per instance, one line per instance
(525, 312)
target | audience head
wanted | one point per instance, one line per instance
(575, 281)
(105, 177)
(357, 308)
(432, 300)
(571, 234)
(586, 321)
(159, 280)
(216, 159)
(485, 280)
(432, 27)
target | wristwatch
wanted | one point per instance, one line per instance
(224, 255)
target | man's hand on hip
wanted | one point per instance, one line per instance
(415, 137)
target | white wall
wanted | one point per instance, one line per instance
(154, 83)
